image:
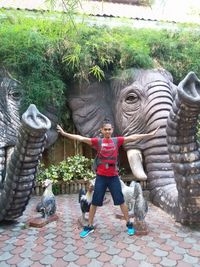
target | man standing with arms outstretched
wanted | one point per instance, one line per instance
(106, 170)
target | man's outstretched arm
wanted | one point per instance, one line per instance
(74, 136)
(135, 137)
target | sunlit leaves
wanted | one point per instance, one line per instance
(73, 60)
(73, 168)
(97, 72)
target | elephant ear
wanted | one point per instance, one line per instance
(90, 104)
(5, 74)
(2, 73)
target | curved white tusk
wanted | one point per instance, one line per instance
(135, 162)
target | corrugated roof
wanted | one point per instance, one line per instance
(175, 11)
(130, 2)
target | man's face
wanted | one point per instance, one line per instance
(107, 130)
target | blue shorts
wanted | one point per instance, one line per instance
(113, 184)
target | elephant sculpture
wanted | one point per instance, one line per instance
(21, 146)
(139, 101)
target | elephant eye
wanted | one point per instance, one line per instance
(15, 94)
(131, 98)
(14, 91)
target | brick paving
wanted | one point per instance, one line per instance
(58, 244)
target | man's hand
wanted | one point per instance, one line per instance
(60, 129)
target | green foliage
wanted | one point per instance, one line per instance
(99, 52)
(73, 168)
(77, 167)
(46, 53)
(70, 7)
(176, 51)
(97, 72)
(122, 171)
(29, 54)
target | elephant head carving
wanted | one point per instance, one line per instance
(21, 145)
(138, 101)
(86, 115)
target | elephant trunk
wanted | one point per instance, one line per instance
(158, 167)
(22, 166)
(183, 148)
(160, 175)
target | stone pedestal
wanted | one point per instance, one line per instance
(140, 227)
(121, 216)
(39, 222)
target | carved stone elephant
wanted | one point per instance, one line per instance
(138, 101)
(21, 145)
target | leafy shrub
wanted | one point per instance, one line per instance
(73, 168)
(46, 53)
(28, 52)
(76, 167)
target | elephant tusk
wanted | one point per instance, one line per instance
(135, 162)
(9, 151)
(5, 154)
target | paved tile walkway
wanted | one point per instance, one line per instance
(58, 244)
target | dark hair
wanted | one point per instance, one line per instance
(106, 121)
